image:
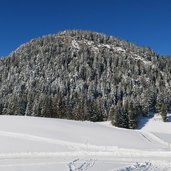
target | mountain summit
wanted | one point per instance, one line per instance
(85, 75)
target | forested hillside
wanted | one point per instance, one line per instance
(85, 75)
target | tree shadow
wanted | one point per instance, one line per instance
(143, 120)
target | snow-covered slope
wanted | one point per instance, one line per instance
(160, 129)
(29, 143)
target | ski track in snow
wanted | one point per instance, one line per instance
(156, 138)
(78, 149)
(83, 156)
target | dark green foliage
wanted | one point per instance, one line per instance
(61, 109)
(115, 116)
(78, 112)
(119, 116)
(132, 116)
(158, 106)
(164, 113)
(94, 112)
(1, 108)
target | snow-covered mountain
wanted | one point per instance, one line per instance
(41, 144)
(85, 75)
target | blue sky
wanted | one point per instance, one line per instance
(144, 22)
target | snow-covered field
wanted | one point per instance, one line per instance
(43, 144)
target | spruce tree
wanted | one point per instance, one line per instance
(78, 112)
(132, 116)
(164, 112)
(114, 112)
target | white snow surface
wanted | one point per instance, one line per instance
(44, 144)
(75, 44)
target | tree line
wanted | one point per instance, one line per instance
(85, 75)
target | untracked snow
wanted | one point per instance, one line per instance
(40, 144)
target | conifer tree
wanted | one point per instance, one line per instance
(78, 112)
(114, 113)
(164, 112)
(61, 109)
(132, 116)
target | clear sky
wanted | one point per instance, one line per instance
(144, 22)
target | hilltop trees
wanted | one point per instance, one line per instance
(85, 75)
